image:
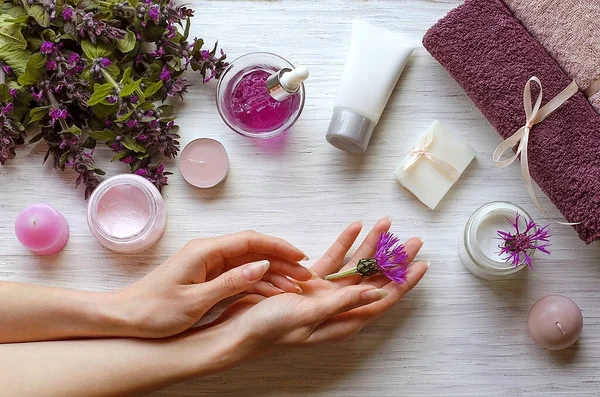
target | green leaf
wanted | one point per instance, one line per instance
(130, 88)
(36, 114)
(10, 34)
(16, 58)
(98, 171)
(197, 46)
(147, 105)
(33, 70)
(100, 93)
(119, 156)
(166, 110)
(4, 93)
(153, 89)
(126, 75)
(103, 111)
(49, 35)
(104, 135)
(133, 145)
(36, 138)
(98, 50)
(40, 15)
(186, 32)
(127, 43)
(124, 116)
(73, 130)
(14, 11)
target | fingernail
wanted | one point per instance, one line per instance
(422, 240)
(389, 218)
(361, 222)
(300, 291)
(256, 270)
(315, 276)
(373, 295)
(428, 263)
(305, 257)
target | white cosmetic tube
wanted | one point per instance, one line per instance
(375, 61)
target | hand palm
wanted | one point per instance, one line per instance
(290, 318)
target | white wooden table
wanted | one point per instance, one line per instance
(454, 334)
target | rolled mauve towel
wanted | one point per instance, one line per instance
(491, 55)
(569, 30)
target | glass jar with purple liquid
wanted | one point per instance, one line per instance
(251, 100)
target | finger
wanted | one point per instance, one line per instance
(396, 292)
(265, 289)
(349, 323)
(365, 250)
(341, 301)
(231, 282)
(238, 244)
(278, 280)
(290, 269)
(333, 258)
(412, 247)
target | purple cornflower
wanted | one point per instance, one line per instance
(67, 13)
(134, 98)
(47, 47)
(57, 114)
(131, 123)
(7, 70)
(165, 75)
(38, 96)
(154, 13)
(13, 92)
(111, 99)
(518, 245)
(50, 65)
(390, 259)
(8, 108)
(105, 62)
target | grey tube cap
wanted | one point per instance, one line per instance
(349, 131)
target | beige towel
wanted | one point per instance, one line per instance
(570, 32)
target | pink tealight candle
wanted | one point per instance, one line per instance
(555, 322)
(42, 229)
(204, 163)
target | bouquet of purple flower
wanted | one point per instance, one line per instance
(91, 71)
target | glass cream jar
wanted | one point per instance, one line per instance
(479, 248)
(126, 213)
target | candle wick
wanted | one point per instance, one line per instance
(560, 328)
(34, 220)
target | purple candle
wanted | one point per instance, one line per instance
(42, 229)
(555, 322)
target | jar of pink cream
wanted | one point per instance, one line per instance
(126, 213)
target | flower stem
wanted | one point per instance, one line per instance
(346, 273)
(2, 77)
(109, 78)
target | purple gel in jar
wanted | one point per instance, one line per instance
(255, 108)
(246, 95)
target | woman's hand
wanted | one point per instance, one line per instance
(175, 295)
(327, 311)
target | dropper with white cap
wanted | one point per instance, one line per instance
(286, 82)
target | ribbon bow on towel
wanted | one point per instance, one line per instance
(418, 152)
(533, 115)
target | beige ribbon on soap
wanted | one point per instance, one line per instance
(418, 152)
(533, 115)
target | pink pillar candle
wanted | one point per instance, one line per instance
(42, 229)
(555, 322)
(204, 163)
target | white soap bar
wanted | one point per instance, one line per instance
(425, 179)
